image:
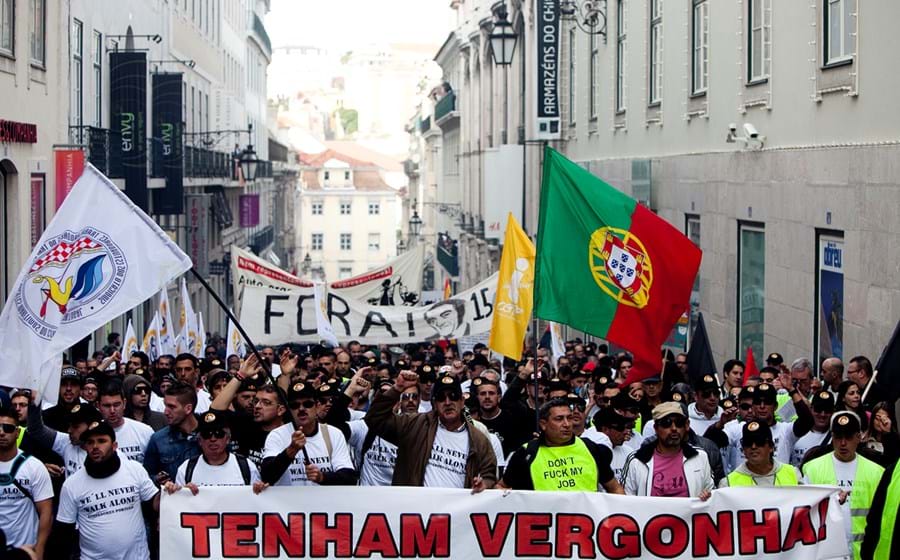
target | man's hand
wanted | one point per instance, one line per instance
(54, 470)
(526, 370)
(170, 487)
(358, 383)
(161, 477)
(705, 495)
(259, 486)
(289, 363)
(842, 496)
(192, 487)
(298, 441)
(784, 378)
(405, 380)
(313, 474)
(478, 485)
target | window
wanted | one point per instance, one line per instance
(594, 71)
(656, 52)
(700, 47)
(317, 208)
(327, 175)
(97, 59)
(839, 30)
(346, 175)
(621, 43)
(345, 270)
(38, 193)
(38, 31)
(316, 242)
(751, 289)
(345, 208)
(374, 208)
(75, 110)
(572, 92)
(346, 242)
(7, 27)
(759, 48)
(374, 242)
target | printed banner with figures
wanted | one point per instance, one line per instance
(271, 316)
(802, 523)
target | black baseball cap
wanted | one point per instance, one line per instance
(98, 428)
(707, 383)
(300, 390)
(774, 359)
(84, 414)
(70, 374)
(765, 393)
(845, 423)
(823, 401)
(210, 422)
(756, 432)
(445, 384)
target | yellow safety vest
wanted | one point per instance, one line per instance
(21, 436)
(784, 476)
(569, 468)
(865, 481)
(889, 518)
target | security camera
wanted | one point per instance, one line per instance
(732, 128)
(751, 131)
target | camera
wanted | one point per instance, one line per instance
(751, 131)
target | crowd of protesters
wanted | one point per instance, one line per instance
(89, 470)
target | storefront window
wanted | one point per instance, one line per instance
(751, 289)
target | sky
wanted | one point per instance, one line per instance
(345, 24)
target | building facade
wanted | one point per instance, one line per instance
(347, 215)
(765, 131)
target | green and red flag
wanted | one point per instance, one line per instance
(607, 265)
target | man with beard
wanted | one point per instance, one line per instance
(342, 365)
(705, 411)
(497, 420)
(104, 501)
(585, 466)
(822, 406)
(306, 452)
(669, 467)
(67, 445)
(760, 467)
(132, 437)
(26, 507)
(438, 449)
(69, 396)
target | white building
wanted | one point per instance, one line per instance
(348, 213)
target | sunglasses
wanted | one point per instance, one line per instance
(757, 402)
(452, 395)
(577, 405)
(746, 406)
(622, 427)
(308, 403)
(751, 443)
(668, 421)
(142, 391)
(409, 397)
(8, 428)
(707, 394)
(215, 434)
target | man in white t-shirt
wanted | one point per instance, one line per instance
(306, 452)
(375, 456)
(822, 405)
(611, 429)
(104, 500)
(132, 436)
(67, 445)
(187, 370)
(26, 493)
(215, 466)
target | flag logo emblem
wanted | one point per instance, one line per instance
(621, 266)
(73, 276)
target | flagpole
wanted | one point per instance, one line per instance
(237, 324)
(869, 386)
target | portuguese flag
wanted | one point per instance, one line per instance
(609, 266)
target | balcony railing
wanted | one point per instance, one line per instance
(260, 29)
(445, 106)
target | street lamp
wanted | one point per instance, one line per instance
(503, 45)
(248, 159)
(307, 264)
(415, 225)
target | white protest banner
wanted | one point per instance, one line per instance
(385, 285)
(99, 257)
(802, 523)
(275, 317)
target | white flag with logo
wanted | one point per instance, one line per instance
(236, 345)
(88, 268)
(167, 332)
(557, 343)
(323, 325)
(131, 342)
(151, 345)
(186, 341)
(200, 341)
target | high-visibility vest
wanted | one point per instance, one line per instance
(570, 468)
(21, 436)
(784, 476)
(889, 518)
(865, 481)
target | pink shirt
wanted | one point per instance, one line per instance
(668, 476)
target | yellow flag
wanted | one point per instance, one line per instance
(515, 292)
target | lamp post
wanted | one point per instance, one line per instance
(415, 226)
(503, 46)
(306, 265)
(247, 159)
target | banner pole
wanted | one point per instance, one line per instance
(537, 373)
(237, 323)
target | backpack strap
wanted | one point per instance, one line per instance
(245, 468)
(14, 470)
(327, 437)
(189, 470)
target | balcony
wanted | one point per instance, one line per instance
(262, 239)
(445, 110)
(200, 163)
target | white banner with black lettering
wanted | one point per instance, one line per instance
(801, 523)
(277, 317)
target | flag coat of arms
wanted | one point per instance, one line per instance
(236, 345)
(151, 345)
(88, 268)
(186, 342)
(515, 292)
(607, 265)
(166, 331)
(130, 345)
